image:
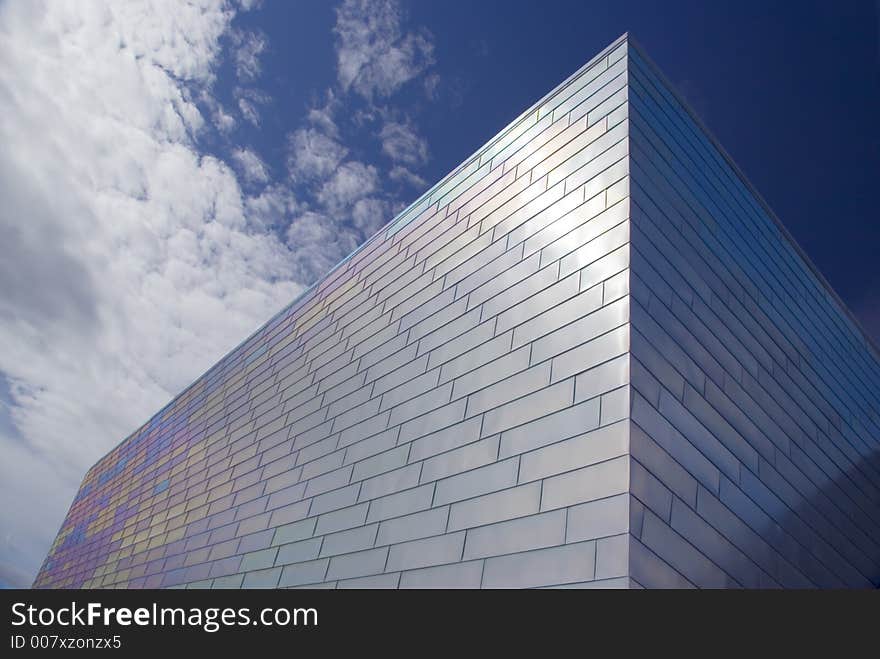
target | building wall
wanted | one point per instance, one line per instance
(755, 440)
(448, 407)
(587, 357)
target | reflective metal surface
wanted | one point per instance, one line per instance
(586, 358)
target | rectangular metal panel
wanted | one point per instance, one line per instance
(405, 421)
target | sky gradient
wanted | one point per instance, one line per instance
(173, 175)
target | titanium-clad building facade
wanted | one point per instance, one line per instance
(589, 356)
(755, 445)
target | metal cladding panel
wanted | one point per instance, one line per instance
(588, 357)
(447, 407)
(755, 436)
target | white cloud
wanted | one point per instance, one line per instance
(249, 111)
(249, 102)
(130, 260)
(251, 166)
(432, 86)
(370, 214)
(343, 203)
(221, 119)
(272, 208)
(248, 46)
(314, 154)
(403, 144)
(375, 57)
(401, 174)
(36, 493)
(349, 183)
(224, 121)
(321, 242)
(323, 117)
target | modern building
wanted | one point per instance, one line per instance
(589, 356)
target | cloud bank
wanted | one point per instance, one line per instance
(131, 258)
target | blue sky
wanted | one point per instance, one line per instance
(173, 175)
(792, 97)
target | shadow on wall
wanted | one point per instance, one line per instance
(860, 534)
